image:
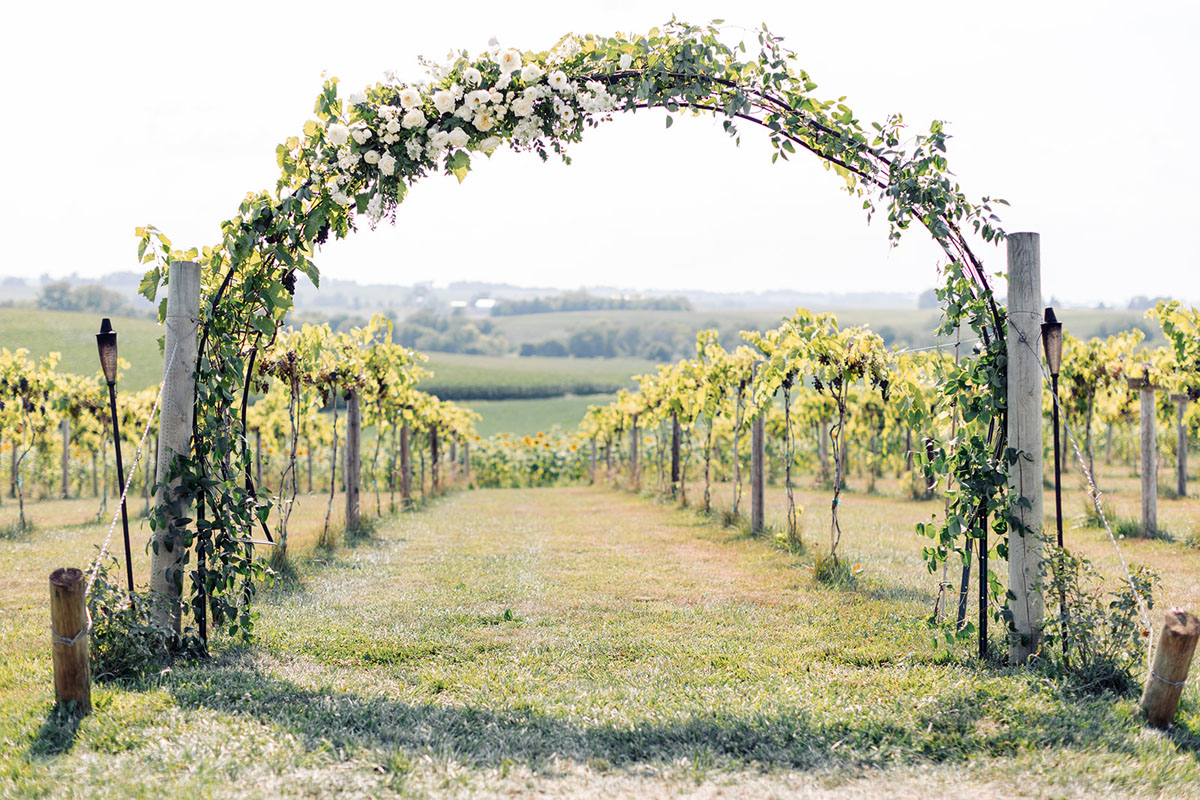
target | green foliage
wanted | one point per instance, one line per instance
(1098, 639)
(128, 644)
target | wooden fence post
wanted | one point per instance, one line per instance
(68, 629)
(1025, 435)
(353, 461)
(633, 453)
(1149, 456)
(12, 470)
(1172, 659)
(66, 457)
(467, 460)
(758, 442)
(405, 470)
(175, 432)
(676, 434)
(1181, 447)
(592, 467)
(433, 460)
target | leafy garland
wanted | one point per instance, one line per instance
(358, 158)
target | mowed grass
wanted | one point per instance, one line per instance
(580, 642)
(73, 335)
(527, 417)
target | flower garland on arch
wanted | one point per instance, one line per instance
(359, 156)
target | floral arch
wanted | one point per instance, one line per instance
(357, 158)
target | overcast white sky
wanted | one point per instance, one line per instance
(1081, 114)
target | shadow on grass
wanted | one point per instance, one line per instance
(56, 737)
(977, 722)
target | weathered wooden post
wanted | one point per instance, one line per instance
(758, 439)
(1172, 659)
(12, 470)
(467, 460)
(1149, 455)
(592, 463)
(454, 457)
(433, 459)
(405, 470)
(1181, 444)
(633, 453)
(175, 433)
(69, 635)
(66, 457)
(676, 434)
(1025, 435)
(353, 461)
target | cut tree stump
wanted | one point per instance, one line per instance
(1172, 659)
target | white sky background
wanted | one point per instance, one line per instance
(1081, 114)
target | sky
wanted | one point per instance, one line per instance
(1077, 113)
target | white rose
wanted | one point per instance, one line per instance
(413, 119)
(440, 140)
(558, 80)
(371, 157)
(522, 106)
(459, 138)
(489, 144)
(476, 99)
(410, 97)
(393, 125)
(484, 120)
(340, 198)
(387, 164)
(509, 60)
(361, 135)
(503, 81)
(472, 76)
(531, 73)
(337, 134)
(626, 60)
(443, 101)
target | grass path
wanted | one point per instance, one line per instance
(580, 642)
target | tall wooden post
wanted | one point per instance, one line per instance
(175, 432)
(758, 441)
(1149, 459)
(676, 435)
(467, 460)
(66, 457)
(1025, 435)
(433, 459)
(12, 470)
(405, 470)
(592, 467)
(68, 631)
(453, 457)
(1181, 444)
(633, 453)
(353, 460)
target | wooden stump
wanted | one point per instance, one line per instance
(1164, 684)
(68, 623)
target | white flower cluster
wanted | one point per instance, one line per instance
(544, 103)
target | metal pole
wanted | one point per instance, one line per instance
(1057, 463)
(112, 405)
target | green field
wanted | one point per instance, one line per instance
(527, 417)
(467, 377)
(73, 335)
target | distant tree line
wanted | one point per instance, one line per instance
(61, 296)
(582, 301)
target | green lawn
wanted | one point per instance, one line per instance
(581, 642)
(479, 377)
